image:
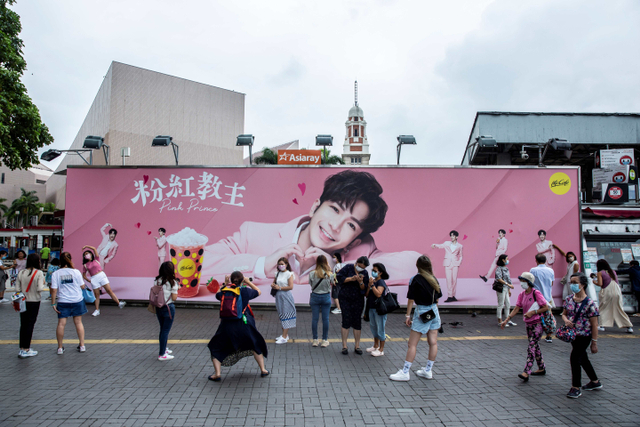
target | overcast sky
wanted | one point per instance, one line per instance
(423, 67)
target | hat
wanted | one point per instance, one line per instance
(527, 277)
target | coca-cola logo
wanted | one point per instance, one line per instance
(615, 192)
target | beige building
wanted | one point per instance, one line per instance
(32, 179)
(133, 105)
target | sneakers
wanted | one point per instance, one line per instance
(592, 386)
(96, 313)
(60, 351)
(600, 328)
(371, 349)
(548, 339)
(23, 354)
(167, 351)
(423, 373)
(324, 343)
(399, 376)
(81, 349)
(336, 311)
(629, 330)
(315, 343)
(282, 340)
(377, 353)
(121, 304)
(4, 301)
(165, 357)
(510, 323)
(574, 393)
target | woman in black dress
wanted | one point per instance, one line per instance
(352, 279)
(238, 338)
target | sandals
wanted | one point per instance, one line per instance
(264, 374)
(358, 351)
(216, 379)
(345, 350)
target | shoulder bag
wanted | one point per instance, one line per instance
(428, 316)
(566, 333)
(386, 303)
(274, 291)
(19, 299)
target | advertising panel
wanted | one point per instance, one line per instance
(614, 175)
(210, 222)
(299, 157)
(616, 158)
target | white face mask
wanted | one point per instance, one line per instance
(87, 256)
(359, 269)
(282, 267)
(524, 285)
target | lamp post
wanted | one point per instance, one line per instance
(324, 141)
(404, 140)
(95, 143)
(246, 140)
(165, 141)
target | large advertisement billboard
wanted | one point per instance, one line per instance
(218, 220)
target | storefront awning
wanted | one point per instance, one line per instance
(613, 212)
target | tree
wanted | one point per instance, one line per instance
(268, 157)
(21, 129)
(328, 159)
(26, 205)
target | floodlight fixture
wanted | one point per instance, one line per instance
(559, 144)
(404, 140)
(324, 141)
(95, 143)
(487, 141)
(165, 141)
(49, 155)
(246, 140)
(52, 154)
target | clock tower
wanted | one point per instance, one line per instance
(356, 146)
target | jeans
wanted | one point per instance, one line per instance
(28, 322)
(320, 302)
(579, 360)
(503, 302)
(377, 322)
(166, 322)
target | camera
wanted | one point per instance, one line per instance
(524, 155)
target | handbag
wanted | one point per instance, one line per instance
(274, 291)
(566, 333)
(88, 296)
(548, 322)
(19, 299)
(497, 286)
(428, 316)
(386, 303)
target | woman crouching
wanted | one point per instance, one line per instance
(237, 336)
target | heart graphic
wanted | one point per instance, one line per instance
(302, 187)
(148, 233)
(510, 231)
(295, 201)
(465, 236)
(146, 178)
(137, 225)
(511, 223)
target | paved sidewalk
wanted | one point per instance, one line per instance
(118, 381)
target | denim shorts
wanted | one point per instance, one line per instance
(418, 325)
(71, 309)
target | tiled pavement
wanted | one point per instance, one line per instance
(475, 377)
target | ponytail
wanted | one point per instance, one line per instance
(65, 260)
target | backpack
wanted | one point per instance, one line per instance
(156, 297)
(231, 303)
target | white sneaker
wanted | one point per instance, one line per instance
(511, 323)
(82, 348)
(315, 343)
(506, 326)
(422, 372)
(121, 305)
(377, 353)
(600, 328)
(27, 353)
(336, 311)
(167, 351)
(629, 330)
(371, 349)
(61, 351)
(165, 357)
(96, 313)
(282, 340)
(4, 301)
(399, 376)
(325, 343)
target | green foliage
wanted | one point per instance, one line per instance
(3, 207)
(26, 205)
(22, 132)
(268, 157)
(328, 159)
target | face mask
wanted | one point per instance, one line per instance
(575, 288)
(282, 267)
(87, 256)
(524, 285)
(359, 269)
(506, 262)
(374, 274)
(4, 257)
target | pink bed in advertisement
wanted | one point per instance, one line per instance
(212, 221)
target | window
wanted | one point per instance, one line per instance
(2, 179)
(40, 181)
(355, 132)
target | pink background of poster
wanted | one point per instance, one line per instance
(425, 204)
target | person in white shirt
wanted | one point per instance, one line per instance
(544, 277)
(452, 261)
(335, 289)
(67, 299)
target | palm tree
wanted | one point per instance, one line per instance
(328, 159)
(268, 157)
(3, 208)
(26, 205)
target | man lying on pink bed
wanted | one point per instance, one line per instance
(341, 220)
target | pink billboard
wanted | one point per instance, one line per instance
(212, 221)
